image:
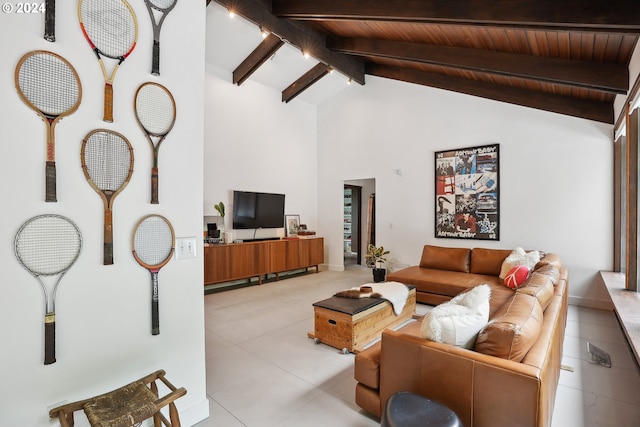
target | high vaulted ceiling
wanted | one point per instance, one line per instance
(566, 56)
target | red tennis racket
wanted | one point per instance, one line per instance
(164, 7)
(50, 86)
(48, 245)
(107, 163)
(153, 243)
(111, 30)
(156, 114)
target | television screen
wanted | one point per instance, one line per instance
(257, 210)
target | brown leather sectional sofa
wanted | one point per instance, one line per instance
(510, 377)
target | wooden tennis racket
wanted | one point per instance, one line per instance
(153, 243)
(164, 7)
(50, 20)
(107, 163)
(50, 86)
(111, 30)
(48, 245)
(156, 114)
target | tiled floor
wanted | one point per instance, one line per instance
(263, 370)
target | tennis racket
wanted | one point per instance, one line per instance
(50, 20)
(50, 86)
(153, 243)
(111, 30)
(107, 163)
(164, 7)
(48, 245)
(156, 113)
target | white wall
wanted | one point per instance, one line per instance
(254, 142)
(555, 174)
(102, 312)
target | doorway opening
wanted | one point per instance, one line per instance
(359, 220)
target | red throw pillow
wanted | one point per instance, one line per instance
(516, 276)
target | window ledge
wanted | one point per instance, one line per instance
(627, 308)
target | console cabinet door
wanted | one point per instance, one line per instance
(217, 260)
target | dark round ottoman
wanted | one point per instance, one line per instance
(405, 409)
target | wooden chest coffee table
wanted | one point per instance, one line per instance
(350, 324)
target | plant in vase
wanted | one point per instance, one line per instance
(375, 259)
(220, 208)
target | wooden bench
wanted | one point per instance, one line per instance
(128, 405)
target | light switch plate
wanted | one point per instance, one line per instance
(185, 247)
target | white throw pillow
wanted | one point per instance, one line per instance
(458, 321)
(519, 257)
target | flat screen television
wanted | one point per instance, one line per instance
(257, 210)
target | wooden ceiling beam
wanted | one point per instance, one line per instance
(621, 16)
(604, 77)
(260, 54)
(302, 36)
(586, 109)
(304, 82)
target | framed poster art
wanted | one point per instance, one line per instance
(291, 225)
(467, 193)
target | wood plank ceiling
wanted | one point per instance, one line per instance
(566, 56)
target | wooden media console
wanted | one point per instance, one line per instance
(236, 261)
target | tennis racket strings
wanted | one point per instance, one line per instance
(110, 25)
(153, 241)
(107, 157)
(48, 245)
(155, 109)
(49, 83)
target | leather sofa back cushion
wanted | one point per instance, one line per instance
(488, 261)
(539, 285)
(450, 259)
(513, 330)
(549, 259)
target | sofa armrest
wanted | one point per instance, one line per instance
(483, 390)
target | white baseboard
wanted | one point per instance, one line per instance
(591, 303)
(331, 267)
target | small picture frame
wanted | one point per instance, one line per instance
(291, 225)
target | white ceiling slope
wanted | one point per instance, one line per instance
(230, 40)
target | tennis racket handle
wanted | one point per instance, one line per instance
(154, 185)
(108, 103)
(155, 63)
(50, 339)
(50, 20)
(155, 317)
(107, 253)
(50, 182)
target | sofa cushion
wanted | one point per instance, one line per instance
(458, 321)
(513, 330)
(549, 259)
(519, 257)
(539, 286)
(550, 271)
(441, 258)
(488, 261)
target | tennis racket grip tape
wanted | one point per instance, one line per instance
(50, 20)
(154, 185)
(49, 338)
(155, 317)
(108, 238)
(155, 63)
(50, 182)
(108, 103)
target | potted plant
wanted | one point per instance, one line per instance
(220, 208)
(375, 259)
